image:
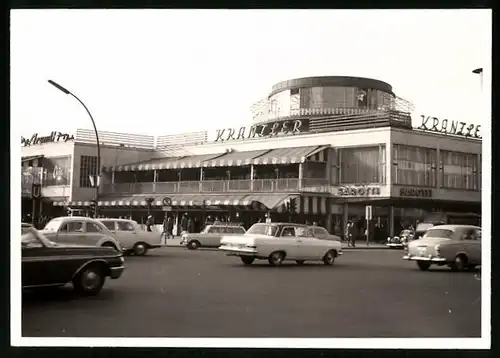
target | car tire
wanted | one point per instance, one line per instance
(300, 262)
(247, 260)
(193, 244)
(110, 244)
(276, 258)
(140, 249)
(459, 264)
(89, 280)
(423, 265)
(329, 258)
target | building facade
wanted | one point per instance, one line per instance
(329, 147)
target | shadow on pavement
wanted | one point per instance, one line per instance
(35, 297)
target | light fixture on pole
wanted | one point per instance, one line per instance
(479, 71)
(98, 164)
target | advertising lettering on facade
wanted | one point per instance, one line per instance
(433, 124)
(358, 190)
(54, 137)
(270, 129)
(412, 192)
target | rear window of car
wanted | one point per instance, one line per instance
(235, 230)
(438, 233)
(423, 226)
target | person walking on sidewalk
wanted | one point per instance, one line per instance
(350, 234)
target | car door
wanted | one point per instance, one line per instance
(474, 247)
(213, 236)
(127, 234)
(70, 232)
(307, 245)
(92, 235)
(39, 265)
(289, 242)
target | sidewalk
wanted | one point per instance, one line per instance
(359, 245)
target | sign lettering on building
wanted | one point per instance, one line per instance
(276, 128)
(358, 190)
(434, 124)
(54, 137)
(412, 192)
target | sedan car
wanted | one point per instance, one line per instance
(211, 236)
(401, 241)
(132, 238)
(79, 230)
(49, 264)
(277, 242)
(458, 246)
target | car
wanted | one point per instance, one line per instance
(458, 246)
(211, 235)
(25, 227)
(132, 238)
(79, 230)
(401, 241)
(49, 264)
(278, 242)
(321, 233)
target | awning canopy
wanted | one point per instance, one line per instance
(288, 155)
(31, 157)
(194, 161)
(235, 158)
(271, 201)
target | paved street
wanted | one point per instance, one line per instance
(174, 292)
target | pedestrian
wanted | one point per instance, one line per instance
(149, 223)
(184, 224)
(190, 225)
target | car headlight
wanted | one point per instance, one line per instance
(388, 239)
(122, 259)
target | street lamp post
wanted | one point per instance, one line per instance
(98, 164)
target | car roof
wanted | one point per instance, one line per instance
(115, 219)
(453, 227)
(83, 218)
(282, 224)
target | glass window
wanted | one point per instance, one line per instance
(92, 227)
(263, 229)
(56, 171)
(414, 166)
(310, 232)
(52, 225)
(88, 166)
(125, 226)
(110, 225)
(288, 231)
(320, 233)
(438, 233)
(215, 230)
(72, 226)
(459, 170)
(361, 165)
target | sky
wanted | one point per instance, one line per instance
(163, 72)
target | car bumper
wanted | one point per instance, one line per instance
(116, 272)
(232, 251)
(424, 258)
(395, 245)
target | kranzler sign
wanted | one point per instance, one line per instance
(434, 124)
(269, 129)
(54, 137)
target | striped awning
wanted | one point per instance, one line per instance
(287, 155)
(235, 159)
(194, 161)
(269, 201)
(31, 157)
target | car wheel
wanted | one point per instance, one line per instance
(329, 258)
(193, 245)
(460, 263)
(300, 262)
(140, 249)
(423, 265)
(247, 260)
(276, 258)
(90, 280)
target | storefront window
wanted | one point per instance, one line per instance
(362, 165)
(88, 167)
(459, 170)
(414, 166)
(57, 171)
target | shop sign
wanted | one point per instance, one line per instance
(54, 137)
(270, 129)
(433, 124)
(359, 190)
(412, 192)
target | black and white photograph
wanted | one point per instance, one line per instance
(251, 178)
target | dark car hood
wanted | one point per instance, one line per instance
(87, 249)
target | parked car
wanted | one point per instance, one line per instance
(211, 236)
(458, 246)
(79, 230)
(277, 242)
(422, 227)
(321, 233)
(402, 240)
(49, 264)
(132, 238)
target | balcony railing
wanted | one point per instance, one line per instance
(218, 186)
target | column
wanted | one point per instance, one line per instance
(113, 181)
(391, 220)
(201, 181)
(388, 164)
(328, 224)
(301, 174)
(155, 179)
(346, 216)
(251, 176)
(439, 169)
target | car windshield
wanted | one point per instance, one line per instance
(438, 234)
(53, 225)
(263, 229)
